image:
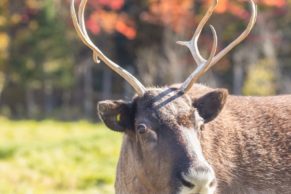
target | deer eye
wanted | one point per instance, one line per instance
(141, 128)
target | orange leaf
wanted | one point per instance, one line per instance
(275, 3)
(222, 6)
(128, 31)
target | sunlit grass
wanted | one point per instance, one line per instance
(51, 157)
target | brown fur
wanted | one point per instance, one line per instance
(248, 144)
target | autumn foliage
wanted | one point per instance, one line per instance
(44, 65)
(236, 7)
(108, 16)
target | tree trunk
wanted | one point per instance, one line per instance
(30, 103)
(107, 83)
(88, 88)
(238, 75)
(48, 97)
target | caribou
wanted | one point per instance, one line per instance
(191, 139)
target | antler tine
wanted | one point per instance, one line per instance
(201, 69)
(241, 37)
(204, 65)
(79, 25)
(193, 43)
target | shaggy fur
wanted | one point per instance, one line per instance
(246, 140)
(249, 145)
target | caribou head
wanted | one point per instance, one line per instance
(161, 151)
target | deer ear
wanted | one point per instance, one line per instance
(117, 115)
(210, 105)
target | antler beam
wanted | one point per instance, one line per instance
(80, 27)
(203, 64)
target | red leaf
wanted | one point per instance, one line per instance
(128, 31)
(93, 26)
(116, 4)
(113, 4)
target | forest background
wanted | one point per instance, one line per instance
(46, 71)
(49, 86)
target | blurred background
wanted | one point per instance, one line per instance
(49, 86)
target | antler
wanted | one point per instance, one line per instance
(203, 64)
(80, 27)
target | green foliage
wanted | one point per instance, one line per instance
(261, 79)
(39, 41)
(56, 157)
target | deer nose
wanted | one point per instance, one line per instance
(199, 180)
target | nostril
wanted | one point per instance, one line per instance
(212, 183)
(187, 184)
(198, 178)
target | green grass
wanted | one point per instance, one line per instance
(51, 157)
